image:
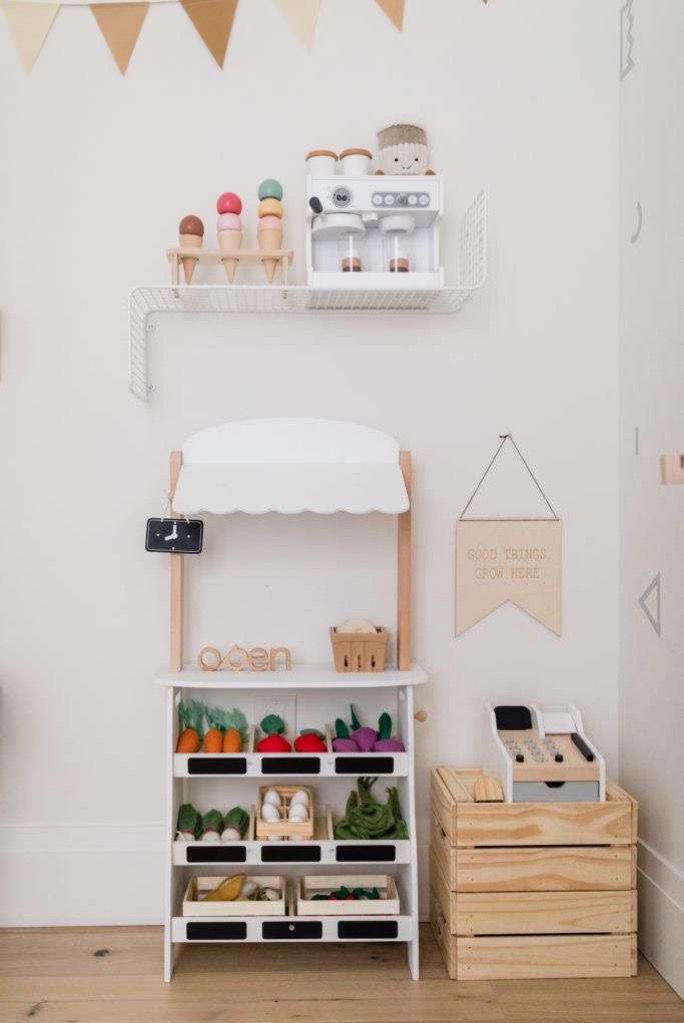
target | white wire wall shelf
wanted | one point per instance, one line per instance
(147, 301)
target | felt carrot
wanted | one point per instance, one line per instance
(213, 737)
(191, 720)
(232, 741)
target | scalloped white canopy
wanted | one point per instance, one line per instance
(290, 466)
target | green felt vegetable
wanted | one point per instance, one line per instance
(238, 819)
(212, 821)
(385, 726)
(272, 724)
(341, 730)
(189, 822)
(365, 818)
(355, 723)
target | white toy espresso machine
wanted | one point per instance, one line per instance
(371, 231)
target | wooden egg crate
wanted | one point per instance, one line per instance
(359, 651)
(195, 905)
(284, 828)
(310, 885)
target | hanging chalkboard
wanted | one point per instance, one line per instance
(184, 536)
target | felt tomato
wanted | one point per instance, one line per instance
(310, 742)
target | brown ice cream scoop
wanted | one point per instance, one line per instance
(191, 225)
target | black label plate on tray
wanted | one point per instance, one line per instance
(217, 765)
(215, 930)
(378, 929)
(210, 852)
(280, 930)
(287, 853)
(357, 764)
(291, 764)
(358, 853)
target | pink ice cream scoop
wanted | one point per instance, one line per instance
(270, 223)
(229, 222)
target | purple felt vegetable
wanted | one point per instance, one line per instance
(345, 746)
(392, 745)
(365, 738)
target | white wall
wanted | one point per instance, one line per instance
(96, 171)
(652, 396)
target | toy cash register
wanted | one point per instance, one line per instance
(544, 755)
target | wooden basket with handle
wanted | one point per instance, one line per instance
(359, 651)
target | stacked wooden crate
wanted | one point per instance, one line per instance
(532, 889)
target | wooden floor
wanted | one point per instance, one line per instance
(112, 975)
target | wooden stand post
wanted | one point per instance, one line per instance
(176, 626)
(404, 572)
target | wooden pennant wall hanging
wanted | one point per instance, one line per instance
(517, 561)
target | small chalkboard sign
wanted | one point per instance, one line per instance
(184, 536)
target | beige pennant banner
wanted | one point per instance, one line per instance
(213, 19)
(301, 16)
(394, 9)
(120, 25)
(508, 560)
(29, 25)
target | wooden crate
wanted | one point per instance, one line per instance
(359, 651)
(532, 889)
(194, 904)
(298, 830)
(386, 905)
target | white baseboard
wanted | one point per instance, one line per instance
(81, 875)
(661, 915)
(93, 875)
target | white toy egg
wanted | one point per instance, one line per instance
(270, 813)
(272, 797)
(300, 797)
(298, 813)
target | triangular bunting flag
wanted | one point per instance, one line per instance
(29, 25)
(394, 9)
(301, 16)
(213, 19)
(120, 25)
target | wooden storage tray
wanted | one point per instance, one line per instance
(302, 830)
(193, 906)
(359, 651)
(386, 905)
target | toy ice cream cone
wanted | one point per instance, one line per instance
(229, 241)
(269, 238)
(190, 236)
(270, 226)
(229, 230)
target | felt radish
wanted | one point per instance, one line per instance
(345, 746)
(386, 742)
(365, 738)
(273, 741)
